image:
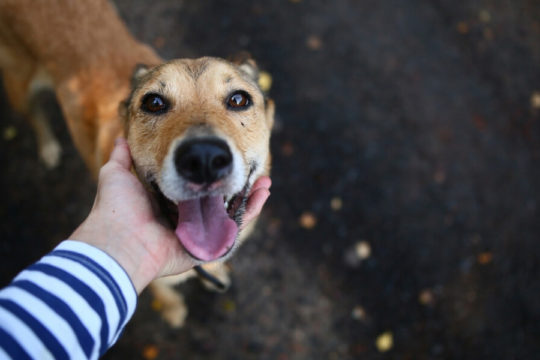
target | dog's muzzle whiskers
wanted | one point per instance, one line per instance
(237, 205)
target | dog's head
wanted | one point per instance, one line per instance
(199, 135)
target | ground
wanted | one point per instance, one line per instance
(404, 216)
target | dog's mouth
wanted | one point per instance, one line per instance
(207, 226)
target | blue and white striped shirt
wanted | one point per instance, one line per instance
(72, 304)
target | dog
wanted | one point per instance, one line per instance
(199, 135)
(198, 129)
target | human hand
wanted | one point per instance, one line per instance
(124, 224)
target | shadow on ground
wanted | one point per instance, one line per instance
(406, 183)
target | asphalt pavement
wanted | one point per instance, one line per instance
(404, 216)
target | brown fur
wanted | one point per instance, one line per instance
(198, 100)
(197, 90)
(84, 52)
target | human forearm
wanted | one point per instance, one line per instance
(74, 301)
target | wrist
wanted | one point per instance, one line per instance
(135, 264)
(131, 256)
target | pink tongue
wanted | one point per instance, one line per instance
(204, 228)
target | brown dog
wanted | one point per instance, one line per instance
(198, 129)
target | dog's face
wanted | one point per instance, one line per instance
(199, 135)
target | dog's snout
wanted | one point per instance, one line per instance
(203, 161)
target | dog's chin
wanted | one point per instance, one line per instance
(207, 223)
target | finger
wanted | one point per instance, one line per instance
(121, 154)
(180, 264)
(254, 205)
(262, 182)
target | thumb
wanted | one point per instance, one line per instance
(121, 154)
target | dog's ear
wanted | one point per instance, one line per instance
(250, 67)
(245, 62)
(138, 74)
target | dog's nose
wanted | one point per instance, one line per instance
(203, 161)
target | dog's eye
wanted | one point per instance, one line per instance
(239, 100)
(154, 104)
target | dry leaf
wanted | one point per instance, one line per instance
(336, 203)
(440, 176)
(314, 42)
(10, 133)
(363, 250)
(484, 258)
(359, 313)
(156, 305)
(265, 81)
(308, 220)
(150, 352)
(535, 100)
(462, 27)
(426, 297)
(484, 16)
(229, 306)
(287, 149)
(385, 341)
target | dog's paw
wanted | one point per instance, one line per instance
(50, 153)
(175, 315)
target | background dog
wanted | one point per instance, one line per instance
(198, 129)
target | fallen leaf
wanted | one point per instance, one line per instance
(10, 133)
(426, 297)
(265, 81)
(150, 352)
(229, 306)
(336, 203)
(156, 305)
(357, 253)
(535, 100)
(440, 176)
(484, 258)
(308, 220)
(462, 27)
(484, 16)
(287, 149)
(385, 341)
(363, 250)
(358, 313)
(314, 42)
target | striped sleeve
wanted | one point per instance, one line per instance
(72, 304)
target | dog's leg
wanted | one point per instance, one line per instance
(25, 88)
(48, 146)
(170, 302)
